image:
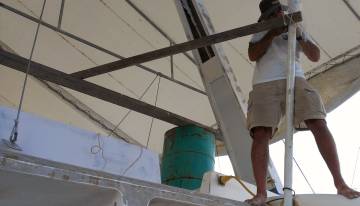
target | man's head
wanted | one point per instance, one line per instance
(269, 8)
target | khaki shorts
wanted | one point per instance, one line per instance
(267, 102)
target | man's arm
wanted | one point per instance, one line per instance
(310, 50)
(257, 49)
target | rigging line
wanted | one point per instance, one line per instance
(188, 76)
(356, 162)
(75, 103)
(7, 100)
(240, 54)
(302, 26)
(138, 10)
(92, 61)
(14, 132)
(127, 24)
(332, 62)
(61, 13)
(172, 64)
(122, 84)
(99, 148)
(149, 134)
(303, 174)
(135, 161)
(129, 111)
(318, 44)
(84, 54)
(90, 44)
(146, 40)
(152, 119)
(352, 9)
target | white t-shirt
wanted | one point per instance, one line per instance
(273, 64)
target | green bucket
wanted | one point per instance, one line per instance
(188, 153)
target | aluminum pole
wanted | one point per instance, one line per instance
(294, 5)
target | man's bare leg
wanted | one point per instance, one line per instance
(327, 148)
(260, 159)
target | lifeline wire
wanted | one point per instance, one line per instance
(303, 174)
(95, 149)
(149, 134)
(152, 119)
(301, 27)
(356, 163)
(14, 132)
(99, 148)
(127, 114)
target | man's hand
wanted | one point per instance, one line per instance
(311, 51)
(278, 31)
(258, 49)
(299, 32)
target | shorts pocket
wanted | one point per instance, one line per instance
(314, 101)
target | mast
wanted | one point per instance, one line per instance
(294, 5)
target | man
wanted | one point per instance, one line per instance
(267, 101)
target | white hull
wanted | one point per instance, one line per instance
(235, 191)
(320, 200)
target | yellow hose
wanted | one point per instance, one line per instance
(224, 179)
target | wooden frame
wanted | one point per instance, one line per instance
(190, 45)
(52, 75)
(74, 81)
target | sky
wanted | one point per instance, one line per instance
(343, 122)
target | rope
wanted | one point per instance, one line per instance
(14, 131)
(149, 134)
(224, 179)
(288, 188)
(303, 174)
(295, 202)
(96, 149)
(307, 181)
(101, 149)
(356, 163)
(129, 111)
(152, 119)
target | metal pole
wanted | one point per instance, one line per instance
(61, 14)
(172, 64)
(288, 199)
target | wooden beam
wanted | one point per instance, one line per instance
(81, 107)
(52, 75)
(190, 45)
(90, 44)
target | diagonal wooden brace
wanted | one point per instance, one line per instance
(52, 75)
(190, 45)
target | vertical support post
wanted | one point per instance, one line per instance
(172, 64)
(288, 199)
(61, 14)
(223, 89)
